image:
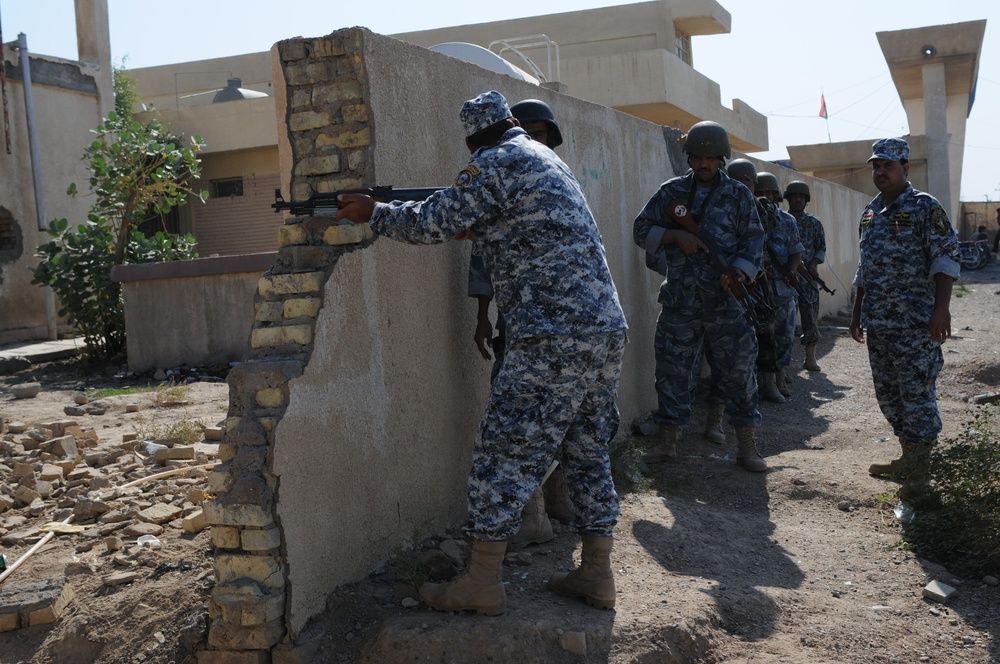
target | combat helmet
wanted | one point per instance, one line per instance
(536, 110)
(797, 187)
(768, 182)
(707, 139)
(742, 169)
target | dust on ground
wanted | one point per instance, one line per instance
(803, 564)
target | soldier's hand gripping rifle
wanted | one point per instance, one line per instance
(678, 211)
(328, 201)
(815, 281)
(786, 273)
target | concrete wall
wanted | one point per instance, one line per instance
(70, 99)
(67, 107)
(206, 304)
(380, 425)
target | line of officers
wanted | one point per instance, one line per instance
(732, 285)
(743, 343)
(738, 329)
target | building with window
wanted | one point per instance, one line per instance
(634, 58)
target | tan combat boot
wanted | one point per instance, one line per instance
(810, 363)
(895, 467)
(781, 381)
(480, 589)
(713, 424)
(535, 525)
(593, 580)
(767, 388)
(666, 448)
(746, 449)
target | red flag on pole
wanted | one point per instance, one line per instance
(822, 106)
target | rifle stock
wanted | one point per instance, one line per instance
(328, 200)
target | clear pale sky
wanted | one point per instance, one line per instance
(779, 58)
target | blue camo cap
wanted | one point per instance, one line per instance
(487, 109)
(892, 149)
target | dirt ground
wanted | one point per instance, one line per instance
(803, 564)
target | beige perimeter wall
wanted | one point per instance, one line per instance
(374, 448)
(64, 119)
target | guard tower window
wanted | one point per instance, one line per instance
(683, 44)
(227, 187)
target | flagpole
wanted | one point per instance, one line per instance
(824, 114)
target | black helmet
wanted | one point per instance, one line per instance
(767, 182)
(797, 187)
(536, 110)
(742, 169)
(707, 139)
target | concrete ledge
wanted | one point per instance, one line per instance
(197, 267)
(190, 312)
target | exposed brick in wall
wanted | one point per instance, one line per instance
(330, 134)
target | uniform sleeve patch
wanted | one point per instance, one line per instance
(467, 175)
(939, 220)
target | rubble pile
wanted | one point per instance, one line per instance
(116, 499)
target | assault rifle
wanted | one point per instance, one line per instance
(783, 267)
(328, 200)
(678, 211)
(817, 282)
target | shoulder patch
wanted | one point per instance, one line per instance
(939, 220)
(467, 175)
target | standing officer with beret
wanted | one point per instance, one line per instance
(909, 261)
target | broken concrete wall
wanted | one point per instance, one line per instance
(374, 449)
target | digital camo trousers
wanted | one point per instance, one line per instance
(785, 310)
(554, 399)
(767, 346)
(683, 330)
(809, 314)
(905, 366)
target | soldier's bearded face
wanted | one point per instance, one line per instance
(889, 177)
(705, 168)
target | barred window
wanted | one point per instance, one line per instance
(227, 187)
(683, 43)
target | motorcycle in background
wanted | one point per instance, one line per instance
(974, 254)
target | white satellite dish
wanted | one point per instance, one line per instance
(484, 58)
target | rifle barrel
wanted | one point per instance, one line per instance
(328, 200)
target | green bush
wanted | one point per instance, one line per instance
(139, 171)
(956, 500)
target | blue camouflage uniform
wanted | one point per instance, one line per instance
(784, 241)
(903, 245)
(813, 240)
(553, 398)
(696, 311)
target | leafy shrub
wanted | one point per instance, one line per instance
(957, 500)
(139, 171)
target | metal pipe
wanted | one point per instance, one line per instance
(29, 109)
(3, 93)
(36, 170)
